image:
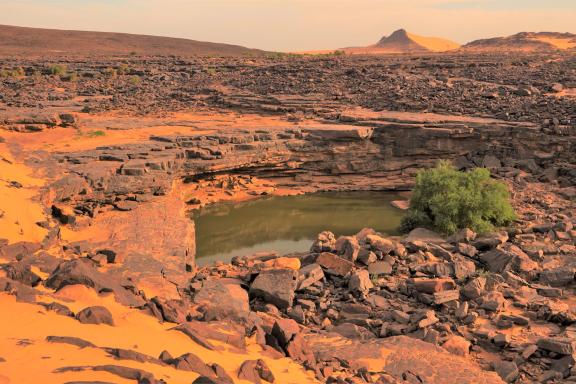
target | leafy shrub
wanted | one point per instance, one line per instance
(69, 77)
(110, 72)
(17, 72)
(97, 133)
(57, 69)
(447, 200)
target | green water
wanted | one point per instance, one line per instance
(289, 224)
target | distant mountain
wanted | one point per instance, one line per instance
(524, 42)
(402, 41)
(42, 42)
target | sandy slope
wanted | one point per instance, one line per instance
(19, 208)
(434, 44)
(559, 43)
(29, 357)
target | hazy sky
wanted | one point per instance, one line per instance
(294, 25)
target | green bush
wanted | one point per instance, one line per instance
(17, 72)
(69, 77)
(97, 133)
(57, 69)
(447, 200)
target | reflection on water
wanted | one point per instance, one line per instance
(288, 224)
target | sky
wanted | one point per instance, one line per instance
(296, 25)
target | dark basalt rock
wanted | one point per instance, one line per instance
(95, 315)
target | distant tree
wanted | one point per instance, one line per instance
(447, 200)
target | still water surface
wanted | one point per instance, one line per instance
(289, 224)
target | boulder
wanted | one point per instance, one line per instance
(309, 275)
(380, 268)
(353, 331)
(380, 244)
(83, 271)
(173, 311)
(442, 297)
(402, 357)
(275, 286)
(284, 330)
(424, 285)
(299, 350)
(558, 277)
(279, 263)
(360, 281)
(457, 345)
(334, 264)
(464, 235)
(424, 235)
(507, 370)
(21, 272)
(466, 249)
(347, 247)
(562, 346)
(493, 301)
(255, 371)
(508, 257)
(474, 288)
(191, 362)
(223, 300)
(95, 315)
(491, 240)
(324, 242)
(76, 341)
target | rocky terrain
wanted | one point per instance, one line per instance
(41, 42)
(102, 161)
(525, 42)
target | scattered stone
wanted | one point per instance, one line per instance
(507, 370)
(80, 343)
(325, 242)
(255, 371)
(347, 247)
(223, 300)
(433, 285)
(457, 345)
(308, 275)
(95, 315)
(275, 286)
(360, 281)
(562, 346)
(334, 265)
(380, 268)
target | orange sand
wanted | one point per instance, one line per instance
(133, 330)
(20, 209)
(434, 44)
